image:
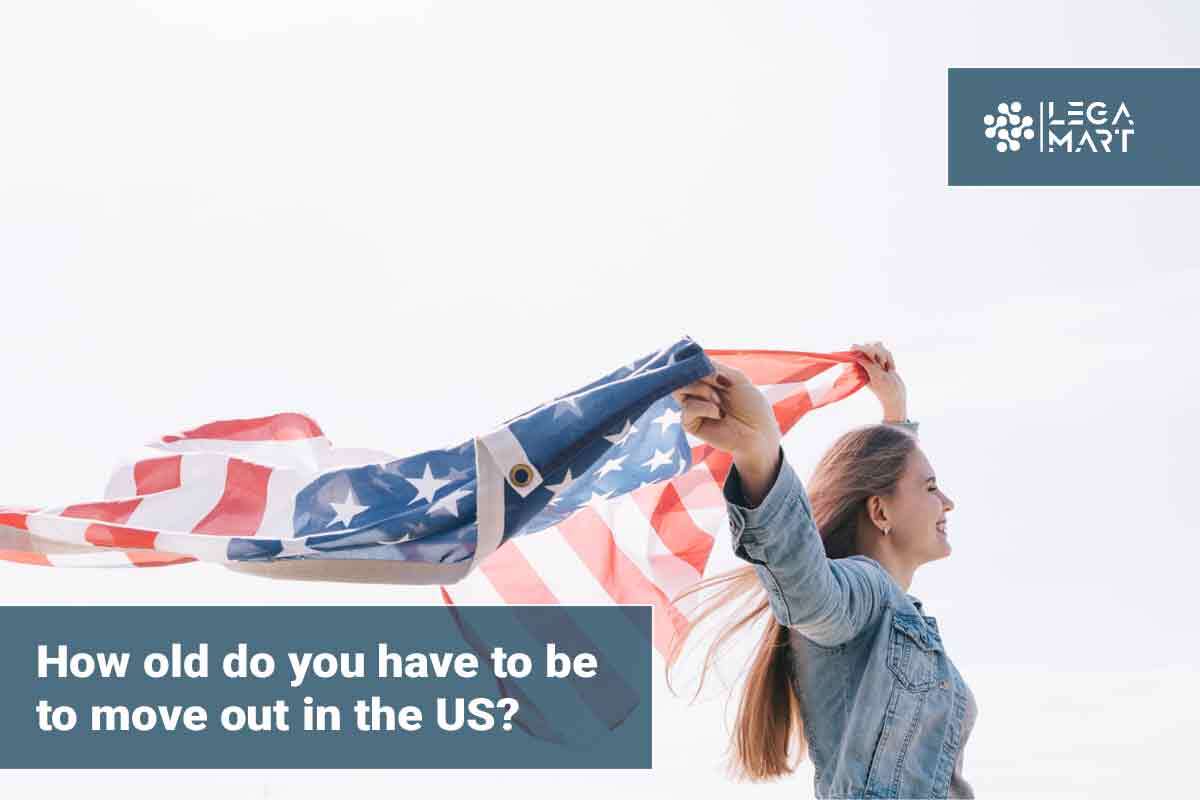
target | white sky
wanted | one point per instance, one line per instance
(412, 221)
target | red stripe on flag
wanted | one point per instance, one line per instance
(14, 520)
(157, 474)
(140, 559)
(697, 489)
(240, 510)
(276, 427)
(676, 529)
(116, 511)
(106, 536)
(24, 557)
(845, 385)
(591, 538)
(718, 462)
(790, 409)
(765, 367)
(514, 578)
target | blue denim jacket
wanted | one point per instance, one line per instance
(885, 712)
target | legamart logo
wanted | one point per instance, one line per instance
(1086, 126)
(1008, 127)
(1073, 126)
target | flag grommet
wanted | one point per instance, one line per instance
(520, 476)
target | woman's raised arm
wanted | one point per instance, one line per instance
(828, 600)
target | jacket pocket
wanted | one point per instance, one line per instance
(914, 652)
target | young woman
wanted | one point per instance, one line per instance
(850, 663)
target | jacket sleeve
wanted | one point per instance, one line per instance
(829, 601)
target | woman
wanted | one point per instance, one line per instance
(850, 663)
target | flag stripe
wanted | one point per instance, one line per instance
(514, 578)
(560, 569)
(620, 577)
(182, 508)
(108, 536)
(240, 509)
(674, 526)
(476, 588)
(275, 427)
(157, 474)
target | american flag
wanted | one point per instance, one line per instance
(595, 497)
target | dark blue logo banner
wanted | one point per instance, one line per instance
(1103, 126)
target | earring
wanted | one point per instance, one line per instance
(885, 531)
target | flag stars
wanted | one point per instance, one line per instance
(669, 417)
(293, 547)
(456, 474)
(449, 503)
(562, 486)
(612, 465)
(426, 485)
(661, 458)
(619, 439)
(347, 510)
(567, 405)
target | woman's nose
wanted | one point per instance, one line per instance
(948, 503)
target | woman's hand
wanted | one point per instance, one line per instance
(886, 383)
(729, 412)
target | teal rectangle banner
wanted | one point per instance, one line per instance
(1052, 126)
(298, 687)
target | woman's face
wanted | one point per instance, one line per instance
(917, 511)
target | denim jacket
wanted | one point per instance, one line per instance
(885, 712)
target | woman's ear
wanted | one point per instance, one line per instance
(877, 513)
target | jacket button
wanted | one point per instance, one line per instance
(945, 684)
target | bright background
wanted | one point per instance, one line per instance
(412, 221)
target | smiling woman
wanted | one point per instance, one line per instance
(851, 668)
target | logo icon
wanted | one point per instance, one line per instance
(1008, 126)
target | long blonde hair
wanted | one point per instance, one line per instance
(863, 462)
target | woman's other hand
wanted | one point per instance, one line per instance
(729, 412)
(885, 382)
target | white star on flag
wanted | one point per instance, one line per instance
(660, 458)
(449, 503)
(426, 485)
(559, 488)
(456, 474)
(294, 547)
(347, 510)
(612, 465)
(668, 418)
(619, 438)
(567, 404)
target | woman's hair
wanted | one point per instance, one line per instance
(863, 462)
